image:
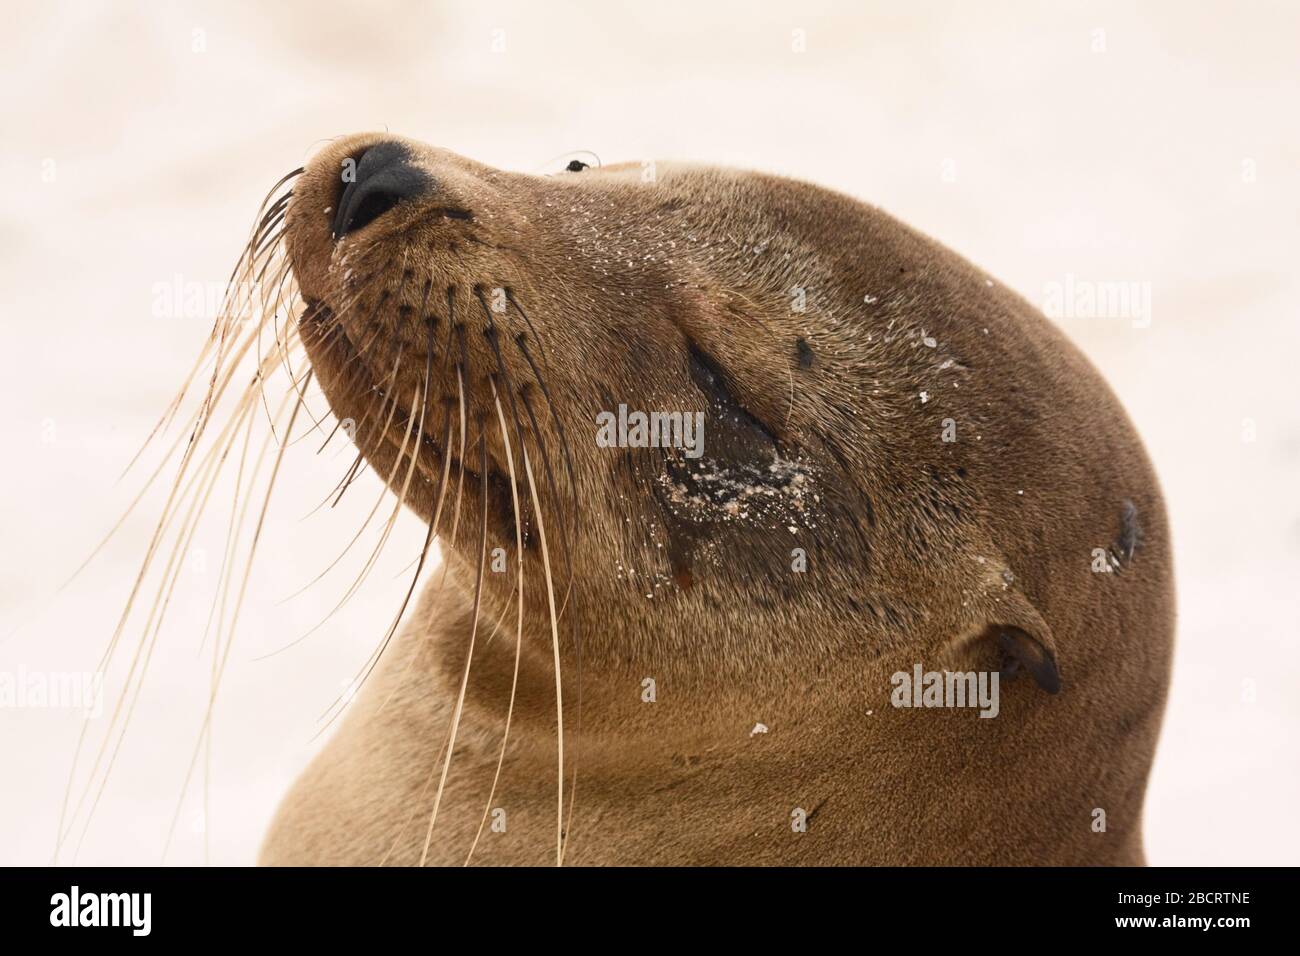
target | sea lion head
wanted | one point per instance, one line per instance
(701, 412)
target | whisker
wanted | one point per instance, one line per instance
(195, 478)
(428, 538)
(180, 490)
(144, 650)
(356, 584)
(460, 477)
(564, 451)
(234, 618)
(555, 639)
(519, 621)
(549, 475)
(469, 658)
(350, 474)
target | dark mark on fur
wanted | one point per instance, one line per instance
(815, 810)
(806, 356)
(1130, 537)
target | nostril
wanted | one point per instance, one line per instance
(373, 204)
(383, 177)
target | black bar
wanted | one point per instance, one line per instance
(660, 908)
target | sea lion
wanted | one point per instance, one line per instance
(640, 657)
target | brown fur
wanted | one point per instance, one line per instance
(918, 550)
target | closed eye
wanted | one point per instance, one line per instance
(723, 405)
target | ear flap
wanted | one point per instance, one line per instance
(1003, 623)
(1023, 650)
(1024, 639)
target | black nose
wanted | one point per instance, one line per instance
(379, 180)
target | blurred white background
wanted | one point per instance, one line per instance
(1153, 142)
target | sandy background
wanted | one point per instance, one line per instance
(138, 139)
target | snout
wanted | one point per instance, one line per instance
(412, 312)
(363, 194)
(354, 182)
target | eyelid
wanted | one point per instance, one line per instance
(709, 378)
